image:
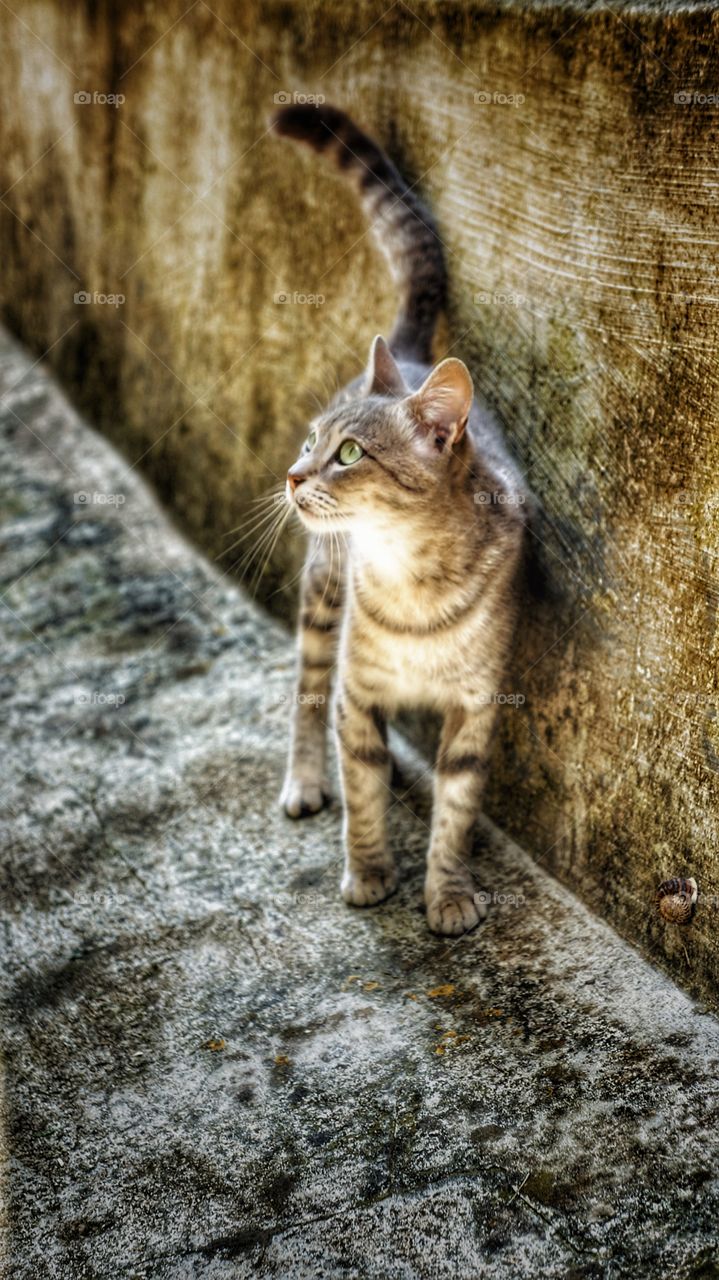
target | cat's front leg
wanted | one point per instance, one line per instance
(460, 775)
(365, 763)
(305, 789)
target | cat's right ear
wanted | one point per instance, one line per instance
(383, 377)
(441, 406)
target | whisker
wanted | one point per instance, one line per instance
(267, 499)
(256, 515)
(273, 543)
(251, 526)
(285, 586)
(243, 563)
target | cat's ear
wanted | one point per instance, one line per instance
(442, 404)
(383, 377)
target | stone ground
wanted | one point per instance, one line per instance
(213, 1068)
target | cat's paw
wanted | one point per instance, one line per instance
(454, 914)
(302, 797)
(367, 890)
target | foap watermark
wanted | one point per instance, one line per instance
(100, 901)
(298, 299)
(707, 901)
(685, 508)
(497, 298)
(83, 498)
(695, 698)
(99, 698)
(693, 98)
(305, 699)
(693, 299)
(83, 298)
(489, 498)
(291, 98)
(485, 98)
(699, 501)
(93, 98)
(499, 699)
(490, 898)
(300, 898)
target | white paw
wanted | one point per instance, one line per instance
(366, 890)
(454, 914)
(303, 796)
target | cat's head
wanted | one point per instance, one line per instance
(385, 451)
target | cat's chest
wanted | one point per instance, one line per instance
(404, 670)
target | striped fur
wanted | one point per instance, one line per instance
(411, 586)
(404, 228)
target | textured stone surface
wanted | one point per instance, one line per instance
(213, 1068)
(577, 202)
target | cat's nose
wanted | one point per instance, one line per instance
(293, 480)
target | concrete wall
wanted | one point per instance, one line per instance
(571, 160)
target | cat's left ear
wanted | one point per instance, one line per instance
(442, 404)
(383, 377)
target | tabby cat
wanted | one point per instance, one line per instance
(419, 609)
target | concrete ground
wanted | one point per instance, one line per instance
(213, 1068)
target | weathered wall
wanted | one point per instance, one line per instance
(577, 201)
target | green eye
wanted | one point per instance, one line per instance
(350, 451)
(310, 442)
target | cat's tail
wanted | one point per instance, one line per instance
(403, 226)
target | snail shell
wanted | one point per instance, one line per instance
(676, 899)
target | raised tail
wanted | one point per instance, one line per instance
(404, 228)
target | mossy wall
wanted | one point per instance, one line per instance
(570, 157)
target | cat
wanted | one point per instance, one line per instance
(416, 603)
